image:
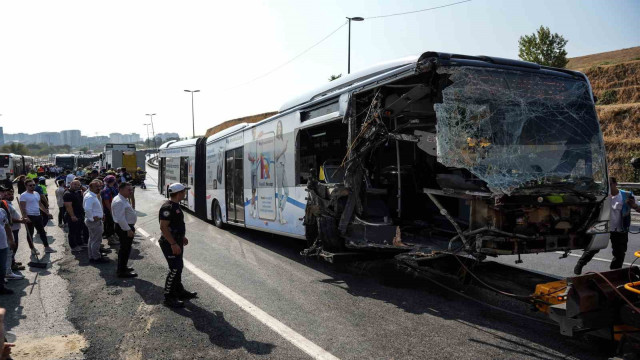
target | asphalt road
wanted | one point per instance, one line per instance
(258, 298)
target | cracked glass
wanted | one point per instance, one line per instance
(519, 130)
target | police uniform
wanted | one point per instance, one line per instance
(173, 288)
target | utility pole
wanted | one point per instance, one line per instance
(153, 131)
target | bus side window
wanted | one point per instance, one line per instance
(317, 145)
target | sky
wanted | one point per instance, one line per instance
(100, 66)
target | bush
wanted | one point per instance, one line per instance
(608, 97)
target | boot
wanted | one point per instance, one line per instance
(187, 295)
(578, 269)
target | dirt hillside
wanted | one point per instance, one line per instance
(615, 78)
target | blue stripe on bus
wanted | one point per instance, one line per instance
(291, 201)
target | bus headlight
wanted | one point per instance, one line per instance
(599, 227)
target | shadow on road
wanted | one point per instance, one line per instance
(210, 323)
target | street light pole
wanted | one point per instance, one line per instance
(356, 18)
(193, 117)
(148, 141)
(153, 131)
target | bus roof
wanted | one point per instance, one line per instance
(183, 143)
(228, 131)
(166, 145)
(348, 80)
(381, 70)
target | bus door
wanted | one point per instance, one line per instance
(184, 177)
(234, 185)
(162, 163)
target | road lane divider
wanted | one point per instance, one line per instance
(299, 341)
(595, 258)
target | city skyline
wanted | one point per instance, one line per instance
(72, 137)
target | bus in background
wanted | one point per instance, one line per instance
(436, 152)
(177, 164)
(28, 163)
(14, 165)
(66, 161)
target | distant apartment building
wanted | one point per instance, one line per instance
(74, 138)
(71, 137)
(117, 138)
(1, 136)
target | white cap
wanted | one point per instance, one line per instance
(177, 187)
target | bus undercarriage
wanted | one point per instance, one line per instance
(485, 161)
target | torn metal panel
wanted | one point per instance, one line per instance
(513, 128)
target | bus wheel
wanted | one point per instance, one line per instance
(217, 215)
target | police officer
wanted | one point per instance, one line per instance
(172, 243)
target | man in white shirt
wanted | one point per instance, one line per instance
(124, 216)
(30, 207)
(93, 219)
(619, 221)
(70, 177)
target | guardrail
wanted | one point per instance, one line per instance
(628, 185)
(153, 162)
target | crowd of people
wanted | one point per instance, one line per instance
(84, 198)
(93, 205)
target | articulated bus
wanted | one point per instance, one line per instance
(14, 165)
(439, 151)
(66, 161)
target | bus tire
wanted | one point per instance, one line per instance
(216, 214)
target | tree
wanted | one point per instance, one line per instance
(15, 148)
(543, 48)
(333, 77)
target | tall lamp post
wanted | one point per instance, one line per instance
(148, 141)
(153, 130)
(356, 18)
(193, 118)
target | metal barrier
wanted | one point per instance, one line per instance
(628, 185)
(153, 162)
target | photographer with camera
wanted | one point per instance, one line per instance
(620, 220)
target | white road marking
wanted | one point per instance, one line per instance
(595, 258)
(141, 231)
(302, 343)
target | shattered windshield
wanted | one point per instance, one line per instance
(516, 129)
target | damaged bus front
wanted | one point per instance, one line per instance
(483, 155)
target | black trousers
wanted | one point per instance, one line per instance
(109, 226)
(77, 230)
(61, 218)
(173, 283)
(125, 248)
(619, 242)
(36, 223)
(15, 241)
